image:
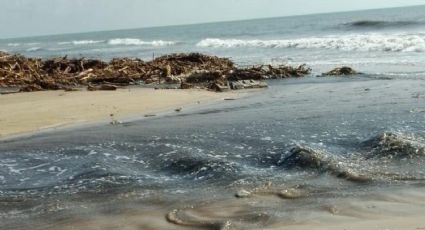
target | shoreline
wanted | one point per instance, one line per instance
(386, 208)
(26, 114)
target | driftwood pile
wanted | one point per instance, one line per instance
(268, 72)
(189, 70)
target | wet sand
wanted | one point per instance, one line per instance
(202, 188)
(385, 210)
(29, 112)
(390, 210)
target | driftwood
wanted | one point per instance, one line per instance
(268, 72)
(187, 70)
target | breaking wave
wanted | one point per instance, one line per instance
(395, 145)
(138, 42)
(304, 158)
(386, 156)
(353, 42)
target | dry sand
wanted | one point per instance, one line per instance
(29, 112)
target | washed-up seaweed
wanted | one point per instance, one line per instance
(189, 70)
(341, 71)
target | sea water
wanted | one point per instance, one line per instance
(375, 37)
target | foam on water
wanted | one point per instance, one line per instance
(351, 42)
(13, 44)
(139, 42)
(81, 42)
(34, 49)
(118, 42)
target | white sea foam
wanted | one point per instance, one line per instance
(33, 49)
(81, 42)
(138, 42)
(354, 42)
(13, 44)
(87, 42)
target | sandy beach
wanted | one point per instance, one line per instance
(35, 111)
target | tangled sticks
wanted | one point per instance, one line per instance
(189, 70)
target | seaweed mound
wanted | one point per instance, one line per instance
(189, 70)
(341, 71)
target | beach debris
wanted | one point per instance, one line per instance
(178, 109)
(218, 87)
(268, 72)
(185, 85)
(341, 71)
(204, 76)
(185, 71)
(247, 84)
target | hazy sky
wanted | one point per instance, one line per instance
(39, 17)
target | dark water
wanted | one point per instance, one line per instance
(328, 138)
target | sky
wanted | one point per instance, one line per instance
(22, 18)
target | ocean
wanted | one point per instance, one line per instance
(378, 38)
(304, 150)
